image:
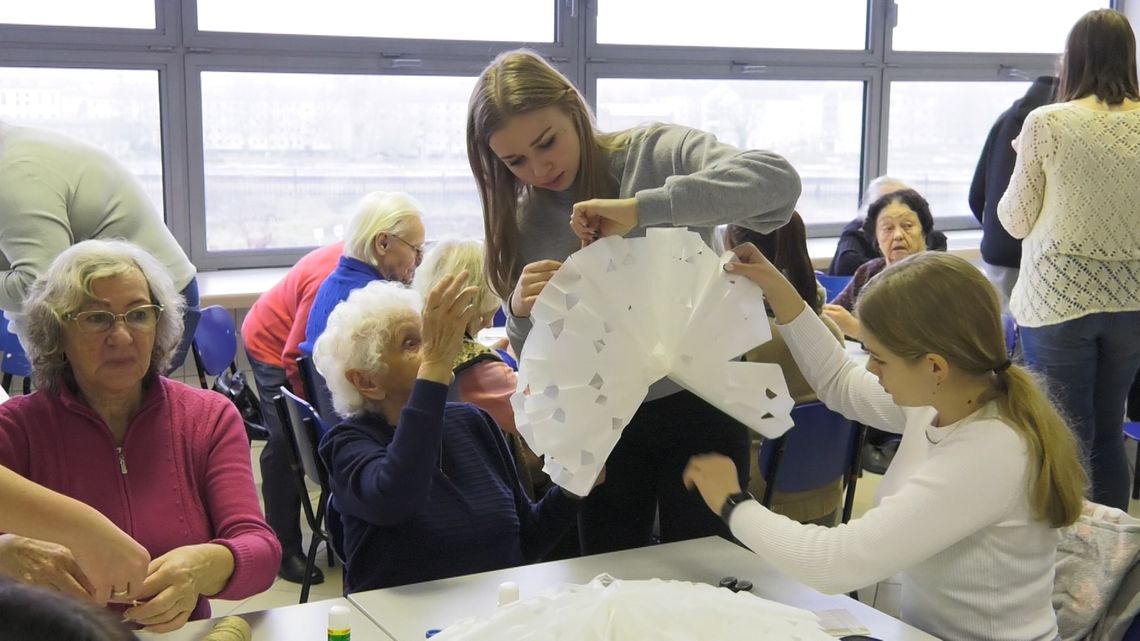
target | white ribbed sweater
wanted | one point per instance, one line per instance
(954, 516)
(1075, 199)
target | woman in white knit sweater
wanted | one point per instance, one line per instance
(1075, 200)
(985, 473)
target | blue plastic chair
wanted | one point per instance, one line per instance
(1132, 431)
(15, 361)
(317, 391)
(822, 445)
(302, 425)
(215, 343)
(833, 285)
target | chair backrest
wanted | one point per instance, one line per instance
(1009, 326)
(302, 427)
(316, 390)
(15, 361)
(820, 447)
(832, 284)
(215, 341)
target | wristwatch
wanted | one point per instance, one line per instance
(731, 502)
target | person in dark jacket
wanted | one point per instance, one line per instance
(1001, 253)
(855, 247)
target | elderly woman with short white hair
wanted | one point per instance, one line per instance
(422, 489)
(384, 241)
(167, 463)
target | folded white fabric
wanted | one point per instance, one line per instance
(608, 609)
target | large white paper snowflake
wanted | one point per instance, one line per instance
(623, 313)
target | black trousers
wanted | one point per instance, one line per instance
(278, 489)
(643, 475)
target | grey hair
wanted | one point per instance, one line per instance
(449, 257)
(878, 188)
(66, 287)
(358, 332)
(376, 213)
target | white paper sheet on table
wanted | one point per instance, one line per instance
(621, 314)
(607, 609)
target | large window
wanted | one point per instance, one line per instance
(1007, 26)
(769, 24)
(937, 133)
(817, 125)
(129, 14)
(506, 20)
(262, 122)
(287, 155)
(114, 109)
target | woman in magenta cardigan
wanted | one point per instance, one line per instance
(167, 463)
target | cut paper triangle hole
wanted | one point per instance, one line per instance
(551, 391)
(599, 345)
(559, 415)
(571, 301)
(597, 382)
(601, 400)
(556, 327)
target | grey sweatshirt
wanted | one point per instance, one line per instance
(56, 191)
(681, 177)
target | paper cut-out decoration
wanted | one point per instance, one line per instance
(623, 313)
(607, 609)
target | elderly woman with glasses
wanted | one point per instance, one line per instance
(167, 463)
(384, 241)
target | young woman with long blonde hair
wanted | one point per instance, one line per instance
(986, 472)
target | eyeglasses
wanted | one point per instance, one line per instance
(143, 317)
(419, 249)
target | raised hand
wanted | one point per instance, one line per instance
(447, 311)
(534, 277)
(601, 217)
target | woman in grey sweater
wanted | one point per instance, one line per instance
(538, 162)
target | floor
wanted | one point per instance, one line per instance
(884, 596)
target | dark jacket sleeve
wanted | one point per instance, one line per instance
(387, 484)
(852, 250)
(978, 184)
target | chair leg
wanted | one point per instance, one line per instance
(310, 563)
(1136, 474)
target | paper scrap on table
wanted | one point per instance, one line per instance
(621, 314)
(608, 609)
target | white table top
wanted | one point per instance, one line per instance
(308, 622)
(407, 612)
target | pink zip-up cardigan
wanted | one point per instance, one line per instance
(181, 477)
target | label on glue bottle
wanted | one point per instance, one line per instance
(340, 623)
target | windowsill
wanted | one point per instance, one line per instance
(239, 288)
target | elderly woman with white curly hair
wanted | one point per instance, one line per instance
(422, 489)
(167, 463)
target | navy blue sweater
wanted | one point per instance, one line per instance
(995, 166)
(437, 497)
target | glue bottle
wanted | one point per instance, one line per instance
(340, 623)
